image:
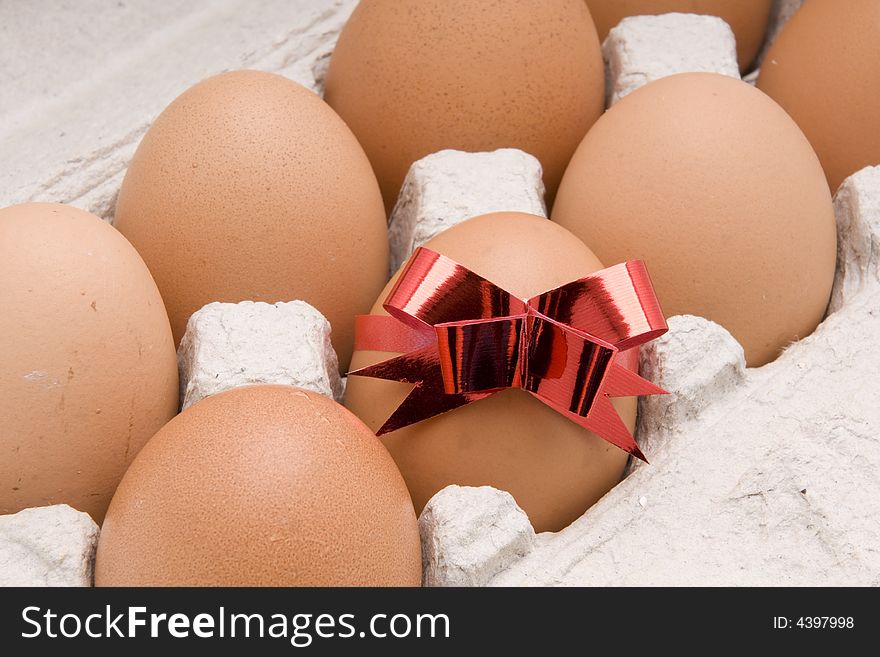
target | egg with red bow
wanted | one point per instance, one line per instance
(488, 401)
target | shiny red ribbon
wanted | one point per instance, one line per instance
(463, 338)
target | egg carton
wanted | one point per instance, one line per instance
(762, 477)
(80, 91)
(756, 476)
(641, 49)
(47, 546)
(227, 345)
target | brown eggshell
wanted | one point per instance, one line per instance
(87, 366)
(248, 186)
(411, 77)
(711, 184)
(554, 468)
(824, 69)
(261, 486)
(747, 18)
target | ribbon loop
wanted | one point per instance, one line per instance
(463, 338)
(566, 365)
(433, 289)
(480, 356)
(616, 304)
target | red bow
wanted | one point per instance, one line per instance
(463, 338)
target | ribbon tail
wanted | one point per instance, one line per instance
(605, 423)
(426, 401)
(413, 367)
(427, 398)
(621, 382)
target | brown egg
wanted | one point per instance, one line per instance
(87, 366)
(711, 184)
(554, 468)
(411, 77)
(747, 18)
(824, 69)
(261, 486)
(248, 186)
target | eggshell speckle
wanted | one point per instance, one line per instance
(554, 468)
(412, 77)
(248, 186)
(747, 18)
(711, 184)
(824, 69)
(261, 486)
(87, 365)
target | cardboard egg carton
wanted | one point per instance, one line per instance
(445, 188)
(757, 476)
(761, 477)
(228, 345)
(81, 84)
(641, 49)
(47, 546)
